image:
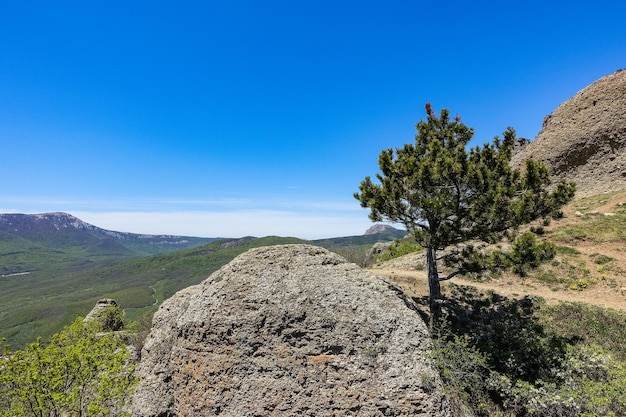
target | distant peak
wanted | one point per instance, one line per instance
(379, 228)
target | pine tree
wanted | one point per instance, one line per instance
(445, 194)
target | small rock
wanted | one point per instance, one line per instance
(98, 313)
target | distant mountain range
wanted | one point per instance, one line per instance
(67, 229)
(65, 239)
(54, 267)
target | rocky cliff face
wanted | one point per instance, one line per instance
(584, 139)
(289, 330)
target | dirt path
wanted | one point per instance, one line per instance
(607, 281)
(415, 284)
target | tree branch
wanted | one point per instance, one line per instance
(450, 276)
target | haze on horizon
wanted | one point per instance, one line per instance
(248, 118)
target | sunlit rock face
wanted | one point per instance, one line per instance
(584, 139)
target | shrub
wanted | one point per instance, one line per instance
(527, 252)
(602, 259)
(112, 318)
(399, 248)
(463, 369)
(80, 372)
(506, 357)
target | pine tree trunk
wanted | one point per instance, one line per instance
(434, 285)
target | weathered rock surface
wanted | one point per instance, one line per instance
(584, 139)
(289, 330)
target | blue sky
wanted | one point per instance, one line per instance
(261, 118)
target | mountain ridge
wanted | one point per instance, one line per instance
(58, 240)
(62, 220)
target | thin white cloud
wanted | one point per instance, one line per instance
(229, 224)
(31, 204)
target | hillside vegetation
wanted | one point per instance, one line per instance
(551, 342)
(40, 303)
(58, 289)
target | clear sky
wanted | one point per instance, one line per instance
(236, 118)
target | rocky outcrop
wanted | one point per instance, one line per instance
(108, 314)
(584, 139)
(380, 228)
(289, 330)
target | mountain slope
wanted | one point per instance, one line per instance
(53, 271)
(30, 242)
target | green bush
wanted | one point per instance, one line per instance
(399, 248)
(589, 384)
(508, 357)
(80, 372)
(602, 259)
(527, 252)
(589, 325)
(464, 371)
(112, 318)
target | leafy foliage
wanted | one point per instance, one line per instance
(399, 248)
(81, 372)
(590, 325)
(463, 369)
(111, 319)
(509, 357)
(527, 252)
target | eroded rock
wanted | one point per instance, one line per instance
(584, 139)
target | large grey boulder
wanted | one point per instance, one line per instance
(289, 330)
